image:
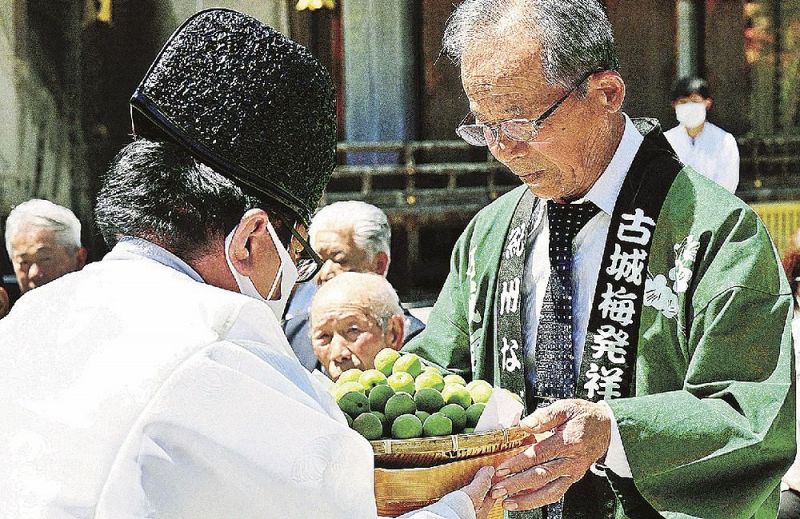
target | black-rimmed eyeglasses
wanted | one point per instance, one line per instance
(519, 130)
(308, 261)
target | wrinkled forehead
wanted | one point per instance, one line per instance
(333, 233)
(327, 312)
(510, 64)
(31, 238)
(503, 79)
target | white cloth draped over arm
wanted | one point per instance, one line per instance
(236, 431)
(455, 505)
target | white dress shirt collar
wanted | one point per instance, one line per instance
(606, 189)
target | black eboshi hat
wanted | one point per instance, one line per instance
(247, 101)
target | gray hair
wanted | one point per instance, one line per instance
(371, 230)
(382, 302)
(575, 35)
(44, 214)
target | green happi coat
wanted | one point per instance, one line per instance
(708, 426)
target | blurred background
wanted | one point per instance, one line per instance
(68, 68)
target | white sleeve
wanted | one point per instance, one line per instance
(455, 505)
(616, 460)
(232, 434)
(730, 163)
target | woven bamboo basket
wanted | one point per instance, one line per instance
(398, 491)
(427, 452)
(411, 474)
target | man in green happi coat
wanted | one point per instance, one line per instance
(669, 384)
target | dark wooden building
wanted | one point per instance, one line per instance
(67, 68)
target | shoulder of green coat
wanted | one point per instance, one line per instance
(507, 202)
(485, 234)
(705, 199)
(732, 247)
(490, 218)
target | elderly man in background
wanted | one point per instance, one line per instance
(353, 317)
(636, 306)
(349, 236)
(43, 241)
(158, 383)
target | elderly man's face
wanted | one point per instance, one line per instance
(341, 254)
(345, 335)
(510, 84)
(39, 258)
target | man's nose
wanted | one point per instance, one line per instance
(340, 351)
(34, 271)
(330, 269)
(506, 149)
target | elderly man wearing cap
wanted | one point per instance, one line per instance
(158, 382)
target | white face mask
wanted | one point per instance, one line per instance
(287, 275)
(691, 115)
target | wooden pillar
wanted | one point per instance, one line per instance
(443, 102)
(689, 38)
(777, 25)
(725, 64)
(644, 32)
(379, 73)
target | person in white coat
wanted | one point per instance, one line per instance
(157, 383)
(707, 148)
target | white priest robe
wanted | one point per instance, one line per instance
(133, 390)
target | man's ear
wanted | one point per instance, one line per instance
(395, 332)
(610, 88)
(709, 102)
(80, 257)
(252, 226)
(381, 263)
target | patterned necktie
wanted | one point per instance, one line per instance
(555, 376)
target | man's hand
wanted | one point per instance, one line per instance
(542, 473)
(478, 491)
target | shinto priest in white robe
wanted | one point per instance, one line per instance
(132, 389)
